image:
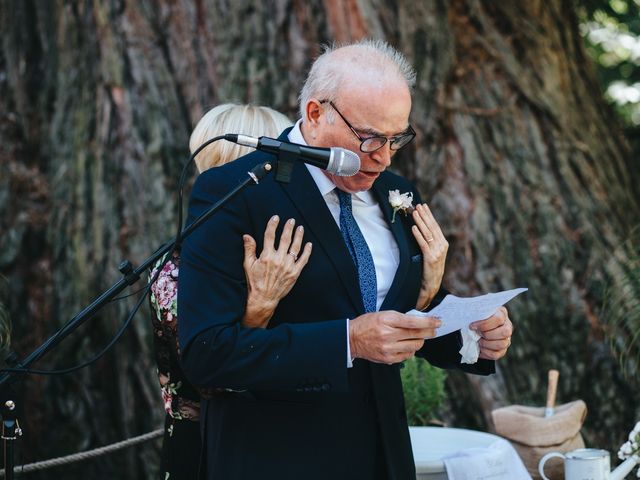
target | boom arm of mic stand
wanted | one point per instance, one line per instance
(131, 276)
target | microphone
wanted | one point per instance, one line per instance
(335, 160)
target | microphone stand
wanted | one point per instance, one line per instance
(10, 427)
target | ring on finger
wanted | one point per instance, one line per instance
(430, 239)
(294, 255)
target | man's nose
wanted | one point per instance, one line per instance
(383, 155)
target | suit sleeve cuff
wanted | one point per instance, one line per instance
(349, 359)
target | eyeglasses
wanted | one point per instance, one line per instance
(376, 142)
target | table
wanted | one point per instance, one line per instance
(431, 444)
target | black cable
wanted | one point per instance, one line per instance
(117, 336)
(178, 239)
(123, 297)
(176, 246)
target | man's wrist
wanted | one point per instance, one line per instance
(351, 348)
(349, 357)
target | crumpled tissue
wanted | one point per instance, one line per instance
(470, 347)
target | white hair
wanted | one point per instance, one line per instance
(368, 55)
(251, 120)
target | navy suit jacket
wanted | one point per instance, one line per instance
(299, 412)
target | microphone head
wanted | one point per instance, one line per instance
(343, 162)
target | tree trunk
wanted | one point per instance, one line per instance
(523, 163)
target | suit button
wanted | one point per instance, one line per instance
(326, 387)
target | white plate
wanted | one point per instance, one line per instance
(431, 444)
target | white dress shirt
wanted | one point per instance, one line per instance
(374, 227)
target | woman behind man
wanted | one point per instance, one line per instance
(269, 278)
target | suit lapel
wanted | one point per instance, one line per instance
(381, 191)
(306, 198)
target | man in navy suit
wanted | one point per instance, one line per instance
(318, 394)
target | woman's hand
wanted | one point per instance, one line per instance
(434, 253)
(272, 275)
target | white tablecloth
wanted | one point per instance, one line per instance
(460, 454)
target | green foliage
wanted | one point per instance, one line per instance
(423, 387)
(611, 29)
(622, 314)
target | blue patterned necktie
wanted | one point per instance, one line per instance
(359, 251)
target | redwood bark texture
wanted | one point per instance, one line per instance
(521, 160)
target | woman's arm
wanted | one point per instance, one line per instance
(433, 246)
(272, 275)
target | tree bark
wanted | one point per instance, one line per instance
(520, 158)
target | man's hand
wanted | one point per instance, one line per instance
(434, 249)
(495, 333)
(389, 337)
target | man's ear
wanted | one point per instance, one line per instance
(314, 111)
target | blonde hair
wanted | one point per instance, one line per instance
(249, 120)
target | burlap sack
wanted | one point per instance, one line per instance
(533, 436)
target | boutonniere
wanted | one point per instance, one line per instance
(400, 202)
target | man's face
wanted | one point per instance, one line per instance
(371, 109)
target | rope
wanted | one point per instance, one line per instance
(77, 457)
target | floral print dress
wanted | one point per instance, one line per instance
(181, 445)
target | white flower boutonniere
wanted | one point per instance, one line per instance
(631, 448)
(400, 202)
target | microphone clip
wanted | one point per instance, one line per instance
(287, 155)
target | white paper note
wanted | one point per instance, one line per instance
(458, 312)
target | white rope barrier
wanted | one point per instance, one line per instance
(77, 457)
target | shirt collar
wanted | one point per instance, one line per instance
(324, 183)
